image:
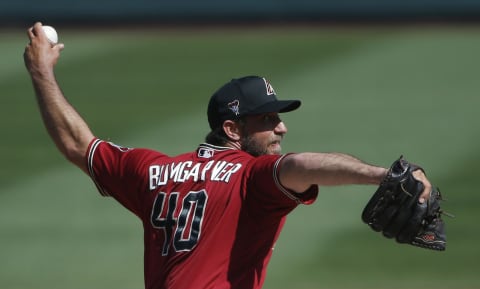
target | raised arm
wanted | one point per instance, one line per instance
(300, 171)
(66, 127)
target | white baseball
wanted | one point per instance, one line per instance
(51, 34)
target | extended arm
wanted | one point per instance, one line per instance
(300, 171)
(66, 127)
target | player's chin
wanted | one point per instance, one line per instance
(274, 148)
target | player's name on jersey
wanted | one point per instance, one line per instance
(219, 171)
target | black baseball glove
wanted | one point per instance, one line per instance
(395, 211)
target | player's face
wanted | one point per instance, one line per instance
(262, 134)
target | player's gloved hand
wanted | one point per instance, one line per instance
(395, 209)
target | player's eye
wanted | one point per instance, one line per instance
(270, 118)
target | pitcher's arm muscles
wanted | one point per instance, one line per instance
(66, 127)
(299, 171)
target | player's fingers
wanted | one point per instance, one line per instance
(37, 28)
(420, 175)
(59, 47)
(30, 33)
(35, 31)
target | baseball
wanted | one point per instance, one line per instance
(51, 34)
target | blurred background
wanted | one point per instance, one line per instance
(215, 11)
(377, 79)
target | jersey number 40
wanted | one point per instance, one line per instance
(182, 231)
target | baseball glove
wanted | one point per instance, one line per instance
(395, 211)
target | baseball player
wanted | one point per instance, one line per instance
(211, 216)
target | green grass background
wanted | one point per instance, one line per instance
(374, 92)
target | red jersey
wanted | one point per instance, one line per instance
(211, 217)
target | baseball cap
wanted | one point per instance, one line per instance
(248, 95)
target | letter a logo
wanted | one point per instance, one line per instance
(268, 87)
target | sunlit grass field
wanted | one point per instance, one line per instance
(373, 92)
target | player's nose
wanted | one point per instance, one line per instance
(281, 128)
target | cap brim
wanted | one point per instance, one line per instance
(277, 106)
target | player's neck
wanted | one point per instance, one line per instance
(233, 144)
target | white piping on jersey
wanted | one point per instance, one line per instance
(94, 146)
(218, 148)
(284, 190)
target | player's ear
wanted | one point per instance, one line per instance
(232, 130)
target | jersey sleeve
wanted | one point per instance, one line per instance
(117, 172)
(265, 191)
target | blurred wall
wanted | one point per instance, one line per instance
(185, 11)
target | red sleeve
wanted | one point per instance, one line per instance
(117, 172)
(267, 193)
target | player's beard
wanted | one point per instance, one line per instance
(255, 148)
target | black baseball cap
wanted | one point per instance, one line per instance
(248, 95)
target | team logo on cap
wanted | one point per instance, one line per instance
(268, 87)
(234, 106)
